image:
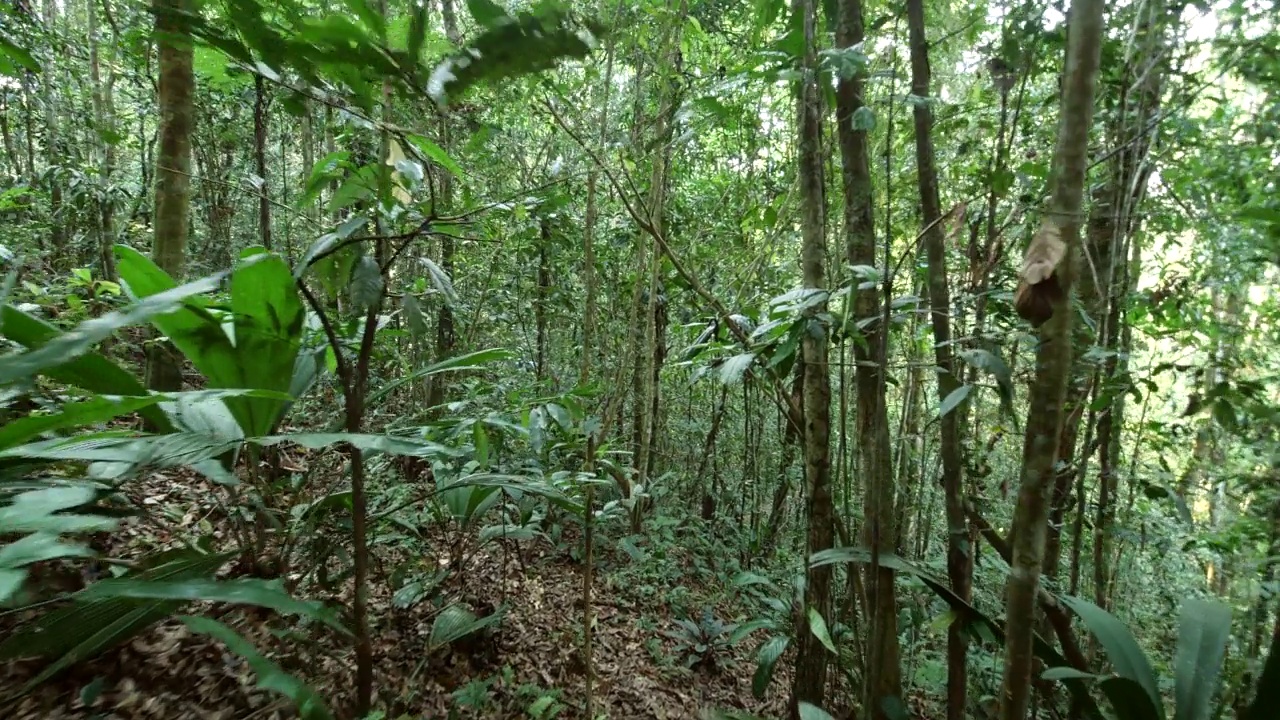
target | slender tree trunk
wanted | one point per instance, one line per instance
(959, 549)
(446, 333)
(811, 657)
(53, 146)
(104, 120)
(260, 118)
(541, 299)
(884, 674)
(173, 167)
(28, 122)
(12, 160)
(654, 324)
(1053, 355)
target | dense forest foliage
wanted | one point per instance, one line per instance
(649, 359)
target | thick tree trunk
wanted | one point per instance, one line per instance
(1053, 356)
(959, 549)
(811, 657)
(173, 166)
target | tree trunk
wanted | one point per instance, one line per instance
(260, 117)
(1053, 355)
(53, 151)
(104, 120)
(173, 167)
(959, 549)
(446, 333)
(811, 656)
(541, 299)
(884, 674)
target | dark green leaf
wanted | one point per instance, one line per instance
(1126, 656)
(246, 591)
(456, 622)
(953, 399)
(91, 371)
(270, 677)
(1202, 643)
(766, 661)
(366, 283)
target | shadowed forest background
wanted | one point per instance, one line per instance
(657, 359)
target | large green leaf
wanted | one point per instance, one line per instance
(91, 371)
(766, 660)
(1202, 643)
(308, 702)
(516, 485)
(105, 407)
(41, 511)
(61, 349)
(509, 47)
(82, 630)
(456, 622)
(1123, 651)
(269, 321)
(245, 591)
(974, 619)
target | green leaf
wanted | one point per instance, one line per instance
(1130, 700)
(270, 677)
(413, 316)
(91, 371)
(245, 591)
(417, 31)
(486, 13)
(766, 661)
(530, 42)
(813, 712)
(366, 284)
(864, 119)
(818, 626)
(516, 485)
(1126, 656)
(953, 399)
(326, 243)
(82, 630)
(456, 622)
(269, 319)
(40, 511)
(440, 281)
(39, 547)
(741, 632)
(436, 154)
(469, 361)
(975, 621)
(1069, 673)
(733, 369)
(1202, 643)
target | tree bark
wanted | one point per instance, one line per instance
(884, 674)
(173, 166)
(811, 658)
(959, 549)
(260, 119)
(53, 150)
(1053, 356)
(446, 332)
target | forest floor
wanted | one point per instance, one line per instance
(532, 654)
